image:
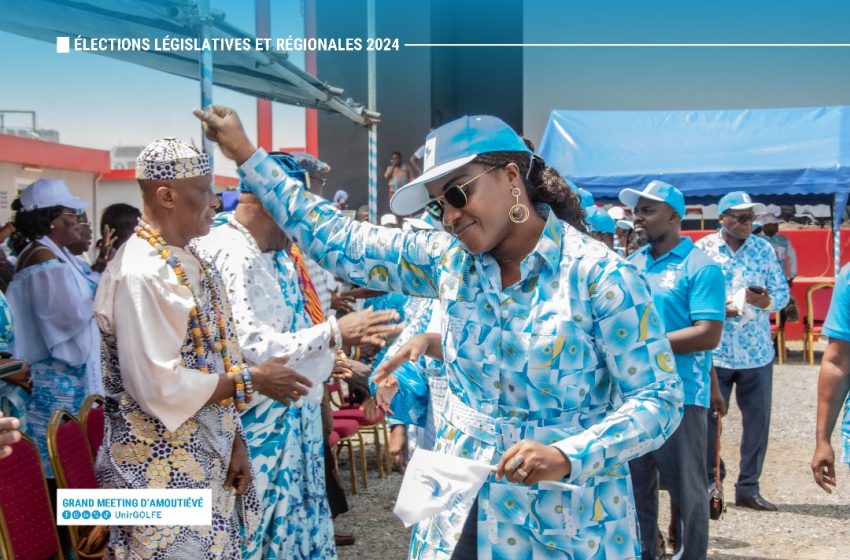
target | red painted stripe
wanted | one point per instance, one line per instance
(27, 151)
(311, 132)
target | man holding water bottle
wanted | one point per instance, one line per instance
(755, 288)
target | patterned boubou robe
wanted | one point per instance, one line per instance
(139, 452)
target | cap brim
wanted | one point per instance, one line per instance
(630, 197)
(75, 203)
(413, 196)
(757, 207)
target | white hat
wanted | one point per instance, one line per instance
(416, 224)
(617, 212)
(625, 224)
(767, 218)
(45, 193)
(389, 220)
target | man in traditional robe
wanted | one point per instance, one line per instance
(171, 368)
(272, 319)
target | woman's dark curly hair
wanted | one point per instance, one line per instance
(543, 183)
(32, 224)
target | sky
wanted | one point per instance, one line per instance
(98, 102)
(683, 78)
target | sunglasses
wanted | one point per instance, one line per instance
(310, 180)
(742, 218)
(454, 195)
(76, 213)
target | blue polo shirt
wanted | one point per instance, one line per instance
(837, 325)
(686, 286)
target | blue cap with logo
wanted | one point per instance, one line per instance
(599, 220)
(738, 200)
(450, 147)
(658, 191)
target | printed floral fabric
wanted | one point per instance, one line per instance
(573, 355)
(748, 345)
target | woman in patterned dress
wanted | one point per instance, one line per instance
(559, 371)
(51, 301)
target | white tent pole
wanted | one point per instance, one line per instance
(373, 128)
(839, 204)
(206, 68)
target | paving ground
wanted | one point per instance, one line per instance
(809, 525)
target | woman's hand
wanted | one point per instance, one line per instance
(385, 393)
(419, 345)
(529, 462)
(239, 470)
(222, 126)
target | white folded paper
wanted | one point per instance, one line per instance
(434, 482)
(316, 367)
(739, 300)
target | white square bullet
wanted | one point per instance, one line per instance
(63, 45)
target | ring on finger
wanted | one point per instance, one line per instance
(516, 462)
(521, 472)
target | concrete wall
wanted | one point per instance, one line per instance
(403, 94)
(13, 179)
(477, 80)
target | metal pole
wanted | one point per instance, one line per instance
(839, 203)
(373, 128)
(262, 17)
(205, 35)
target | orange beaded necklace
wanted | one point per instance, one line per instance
(199, 325)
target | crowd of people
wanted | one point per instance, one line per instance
(511, 321)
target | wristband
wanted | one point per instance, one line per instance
(355, 353)
(248, 381)
(240, 392)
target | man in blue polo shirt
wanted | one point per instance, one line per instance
(834, 384)
(687, 289)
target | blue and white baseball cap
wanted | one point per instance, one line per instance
(738, 200)
(658, 191)
(599, 220)
(584, 195)
(450, 147)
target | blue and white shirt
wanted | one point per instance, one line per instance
(837, 325)
(747, 345)
(686, 287)
(572, 355)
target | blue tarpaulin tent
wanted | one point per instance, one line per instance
(773, 154)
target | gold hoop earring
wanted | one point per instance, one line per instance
(519, 212)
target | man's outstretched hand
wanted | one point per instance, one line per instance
(222, 125)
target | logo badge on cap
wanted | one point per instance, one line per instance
(430, 153)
